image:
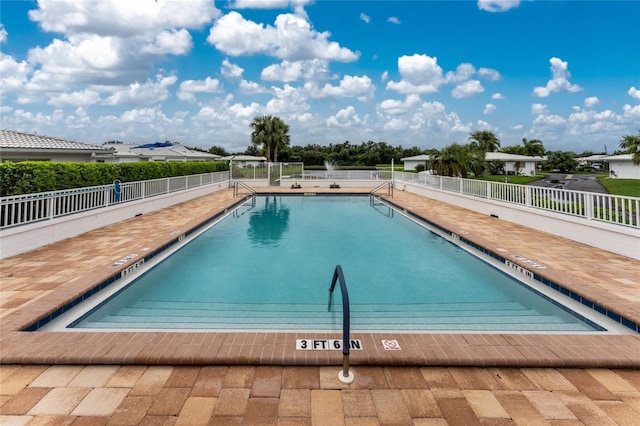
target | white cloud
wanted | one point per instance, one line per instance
(539, 109)
(488, 109)
(393, 20)
(121, 18)
(631, 112)
(189, 88)
(634, 93)
(143, 94)
(346, 117)
(230, 70)
(292, 38)
(174, 42)
(462, 73)
(14, 74)
(350, 86)
(559, 81)
(490, 74)
(84, 97)
(467, 89)
(497, 96)
(420, 74)
(396, 107)
(591, 101)
(288, 71)
(497, 5)
(267, 4)
(3, 34)
(365, 17)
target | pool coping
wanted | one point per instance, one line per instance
(204, 348)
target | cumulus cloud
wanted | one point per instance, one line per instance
(489, 73)
(488, 109)
(365, 17)
(591, 101)
(539, 108)
(292, 38)
(497, 96)
(462, 73)
(83, 97)
(174, 42)
(344, 118)
(189, 88)
(359, 87)
(467, 89)
(559, 81)
(634, 93)
(146, 93)
(396, 107)
(288, 71)
(267, 4)
(14, 74)
(497, 5)
(393, 20)
(420, 74)
(3, 34)
(230, 70)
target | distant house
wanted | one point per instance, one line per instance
(513, 164)
(622, 167)
(157, 151)
(19, 146)
(244, 160)
(521, 165)
(410, 163)
(594, 161)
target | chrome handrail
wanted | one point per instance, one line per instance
(388, 185)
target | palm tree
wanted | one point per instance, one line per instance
(533, 147)
(631, 144)
(452, 160)
(270, 132)
(484, 141)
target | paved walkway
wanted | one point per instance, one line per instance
(251, 378)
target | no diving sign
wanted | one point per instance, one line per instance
(326, 344)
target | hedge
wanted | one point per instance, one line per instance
(29, 177)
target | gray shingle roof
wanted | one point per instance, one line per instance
(17, 140)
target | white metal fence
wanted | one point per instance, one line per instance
(24, 209)
(615, 209)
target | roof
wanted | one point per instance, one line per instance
(490, 156)
(421, 157)
(595, 157)
(621, 157)
(13, 140)
(159, 149)
(243, 158)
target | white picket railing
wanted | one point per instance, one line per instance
(615, 209)
(24, 209)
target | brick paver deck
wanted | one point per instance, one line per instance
(259, 378)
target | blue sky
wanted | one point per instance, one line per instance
(410, 73)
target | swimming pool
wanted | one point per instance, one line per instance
(267, 266)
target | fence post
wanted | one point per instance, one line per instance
(588, 206)
(527, 196)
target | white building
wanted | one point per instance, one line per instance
(622, 167)
(514, 164)
(244, 160)
(410, 163)
(522, 165)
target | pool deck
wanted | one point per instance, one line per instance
(260, 378)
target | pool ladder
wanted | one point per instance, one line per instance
(344, 375)
(386, 185)
(236, 189)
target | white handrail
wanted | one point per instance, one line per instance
(614, 209)
(24, 209)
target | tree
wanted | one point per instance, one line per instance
(218, 150)
(561, 161)
(453, 160)
(484, 141)
(631, 145)
(271, 133)
(533, 147)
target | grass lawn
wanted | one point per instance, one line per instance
(520, 180)
(627, 187)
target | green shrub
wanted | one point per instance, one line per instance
(29, 177)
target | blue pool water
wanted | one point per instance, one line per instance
(268, 266)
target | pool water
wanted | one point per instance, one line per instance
(268, 266)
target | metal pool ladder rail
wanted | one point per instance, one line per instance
(344, 375)
(236, 189)
(388, 185)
